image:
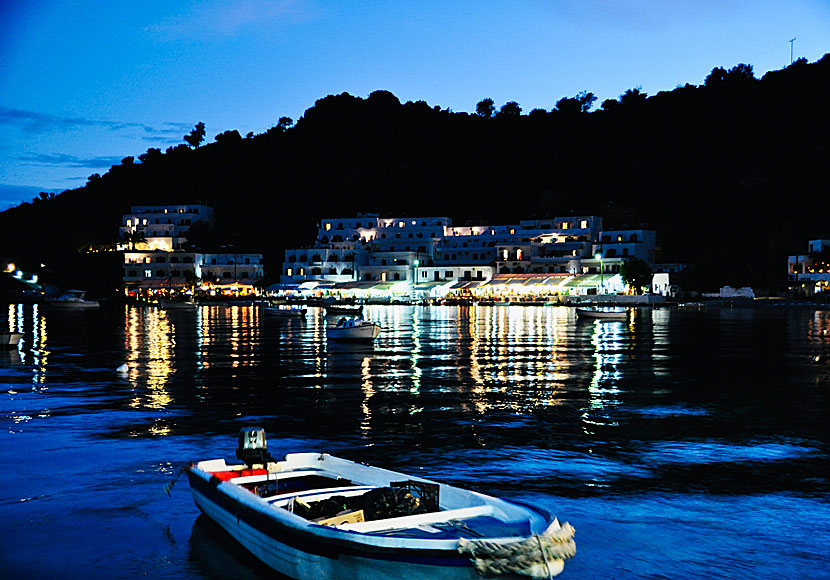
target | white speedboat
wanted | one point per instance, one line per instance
(602, 313)
(72, 299)
(286, 311)
(9, 340)
(355, 329)
(313, 516)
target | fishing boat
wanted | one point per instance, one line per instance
(286, 311)
(602, 313)
(354, 329)
(72, 300)
(385, 525)
(9, 340)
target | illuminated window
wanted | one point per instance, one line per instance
(565, 225)
(144, 221)
(504, 254)
(328, 226)
(383, 276)
(289, 272)
(302, 271)
(401, 224)
(519, 254)
(129, 223)
(148, 273)
(512, 231)
(583, 224)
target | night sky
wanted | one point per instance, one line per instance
(85, 83)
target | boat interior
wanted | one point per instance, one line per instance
(327, 499)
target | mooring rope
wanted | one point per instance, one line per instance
(534, 556)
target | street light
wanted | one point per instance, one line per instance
(601, 283)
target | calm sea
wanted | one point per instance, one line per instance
(681, 444)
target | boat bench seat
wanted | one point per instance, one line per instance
(419, 519)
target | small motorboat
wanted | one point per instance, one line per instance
(602, 312)
(355, 329)
(9, 340)
(72, 300)
(172, 304)
(313, 515)
(344, 309)
(286, 311)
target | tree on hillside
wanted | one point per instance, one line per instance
(633, 97)
(196, 136)
(485, 108)
(152, 154)
(284, 123)
(231, 136)
(581, 103)
(636, 273)
(510, 109)
(738, 75)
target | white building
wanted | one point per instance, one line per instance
(163, 227)
(159, 262)
(418, 251)
(810, 272)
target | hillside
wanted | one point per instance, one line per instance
(732, 174)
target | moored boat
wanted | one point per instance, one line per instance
(602, 312)
(72, 300)
(286, 311)
(171, 304)
(354, 329)
(9, 340)
(313, 515)
(344, 309)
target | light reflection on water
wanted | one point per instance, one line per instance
(664, 414)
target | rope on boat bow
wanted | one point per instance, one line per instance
(539, 556)
(169, 487)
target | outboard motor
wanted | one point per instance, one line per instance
(252, 447)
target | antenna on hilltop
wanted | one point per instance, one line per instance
(791, 48)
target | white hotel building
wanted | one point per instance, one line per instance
(160, 262)
(428, 255)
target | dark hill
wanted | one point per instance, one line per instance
(732, 174)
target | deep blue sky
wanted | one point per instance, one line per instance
(85, 83)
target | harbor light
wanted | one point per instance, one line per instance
(10, 268)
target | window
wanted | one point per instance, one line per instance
(132, 274)
(292, 258)
(327, 227)
(448, 274)
(512, 231)
(226, 275)
(583, 224)
(148, 273)
(289, 271)
(347, 272)
(340, 226)
(397, 235)
(244, 274)
(175, 273)
(129, 223)
(161, 259)
(303, 258)
(334, 258)
(333, 271)
(383, 276)
(160, 273)
(188, 259)
(423, 274)
(504, 254)
(519, 254)
(396, 276)
(316, 271)
(316, 258)
(146, 259)
(174, 260)
(564, 225)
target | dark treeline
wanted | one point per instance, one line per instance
(732, 173)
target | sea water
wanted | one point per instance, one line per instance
(680, 444)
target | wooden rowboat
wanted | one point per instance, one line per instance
(380, 525)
